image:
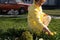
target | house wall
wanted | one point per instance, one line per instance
(58, 2)
(50, 2)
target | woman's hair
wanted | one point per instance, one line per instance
(36, 0)
(41, 1)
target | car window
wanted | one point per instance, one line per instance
(8, 1)
(28, 1)
(11, 1)
(2, 1)
(18, 1)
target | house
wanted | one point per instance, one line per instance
(48, 2)
(52, 2)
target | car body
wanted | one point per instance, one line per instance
(7, 5)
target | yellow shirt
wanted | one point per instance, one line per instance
(35, 16)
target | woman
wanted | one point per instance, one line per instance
(37, 20)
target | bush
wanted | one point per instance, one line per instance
(26, 36)
(11, 33)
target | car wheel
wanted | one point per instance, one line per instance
(22, 11)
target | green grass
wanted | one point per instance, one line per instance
(50, 12)
(53, 12)
(6, 23)
(54, 26)
(17, 23)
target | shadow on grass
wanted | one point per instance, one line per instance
(11, 34)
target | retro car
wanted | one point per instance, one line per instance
(8, 5)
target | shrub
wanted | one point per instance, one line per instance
(26, 36)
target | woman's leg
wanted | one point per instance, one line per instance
(46, 20)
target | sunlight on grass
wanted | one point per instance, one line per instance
(53, 12)
(6, 23)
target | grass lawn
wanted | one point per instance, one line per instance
(6, 23)
(53, 12)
